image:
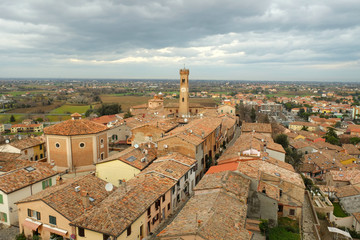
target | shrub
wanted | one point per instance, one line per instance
(264, 226)
(20, 236)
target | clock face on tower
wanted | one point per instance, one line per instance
(183, 89)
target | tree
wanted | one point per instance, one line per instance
(109, 109)
(304, 128)
(12, 118)
(355, 140)
(128, 114)
(282, 139)
(253, 115)
(331, 137)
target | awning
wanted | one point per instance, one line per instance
(55, 230)
(33, 225)
(339, 231)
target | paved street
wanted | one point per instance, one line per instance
(8, 233)
(307, 222)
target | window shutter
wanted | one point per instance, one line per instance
(1, 198)
(50, 182)
(29, 212)
(5, 217)
(38, 216)
(43, 185)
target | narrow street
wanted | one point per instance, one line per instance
(307, 221)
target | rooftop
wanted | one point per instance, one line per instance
(214, 214)
(118, 211)
(74, 127)
(27, 143)
(22, 177)
(257, 127)
(66, 200)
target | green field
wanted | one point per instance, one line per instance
(52, 118)
(69, 109)
(6, 118)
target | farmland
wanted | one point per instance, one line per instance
(125, 101)
(69, 109)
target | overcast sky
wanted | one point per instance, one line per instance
(224, 39)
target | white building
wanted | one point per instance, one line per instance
(21, 183)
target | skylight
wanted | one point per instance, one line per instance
(131, 159)
(29, 169)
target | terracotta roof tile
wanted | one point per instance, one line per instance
(347, 191)
(25, 176)
(214, 215)
(174, 165)
(133, 156)
(258, 127)
(351, 149)
(113, 215)
(69, 203)
(75, 127)
(27, 143)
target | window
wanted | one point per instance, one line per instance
(3, 217)
(128, 231)
(106, 237)
(1, 198)
(81, 232)
(82, 145)
(292, 212)
(173, 190)
(41, 156)
(102, 141)
(281, 192)
(52, 220)
(182, 99)
(186, 176)
(149, 211)
(57, 145)
(41, 146)
(102, 156)
(47, 183)
(169, 206)
(25, 152)
(36, 157)
(183, 80)
(34, 214)
(163, 198)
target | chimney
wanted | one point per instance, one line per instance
(85, 199)
(59, 180)
(75, 116)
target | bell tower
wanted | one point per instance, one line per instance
(184, 92)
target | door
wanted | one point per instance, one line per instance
(141, 232)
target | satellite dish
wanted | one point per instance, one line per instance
(136, 145)
(109, 187)
(7, 141)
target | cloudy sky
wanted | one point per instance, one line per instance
(216, 39)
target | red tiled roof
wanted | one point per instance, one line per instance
(22, 177)
(257, 127)
(69, 203)
(232, 166)
(75, 127)
(27, 143)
